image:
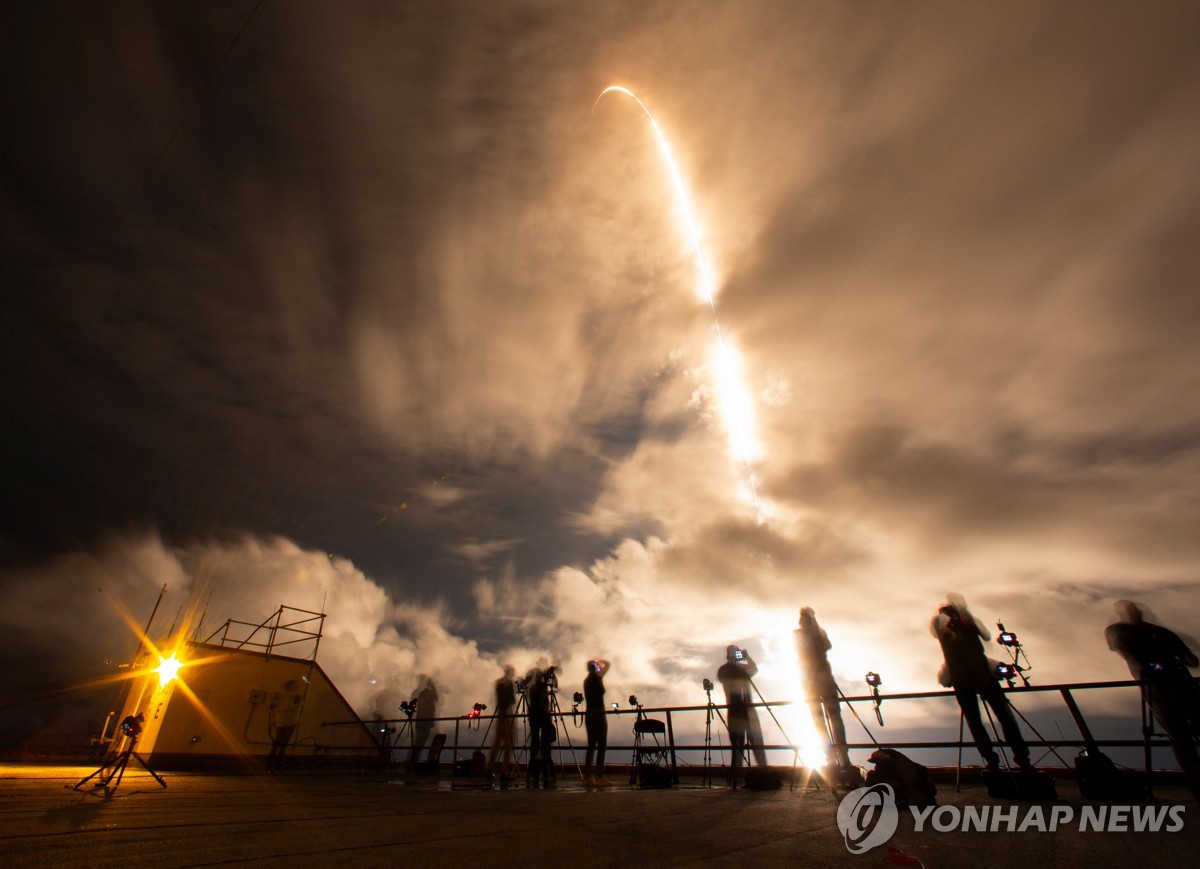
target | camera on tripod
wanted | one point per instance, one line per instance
(131, 725)
(874, 680)
(521, 685)
(1012, 670)
(551, 679)
(408, 707)
(707, 685)
(1009, 673)
(474, 716)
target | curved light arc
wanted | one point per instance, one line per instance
(738, 423)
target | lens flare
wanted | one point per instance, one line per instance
(780, 651)
(168, 669)
(733, 398)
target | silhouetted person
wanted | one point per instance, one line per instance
(1161, 660)
(539, 685)
(502, 740)
(284, 719)
(427, 700)
(973, 677)
(595, 721)
(735, 675)
(820, 689)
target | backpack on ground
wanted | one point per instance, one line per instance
(1099, 779)
(910, 780)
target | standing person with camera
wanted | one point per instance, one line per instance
(595, 720)
(426, 700)
(968, 671)
(736, 676)
(1161, 661)
(502, 741)
(820, 688)
(540, 686)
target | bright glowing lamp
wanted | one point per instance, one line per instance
(168, 669)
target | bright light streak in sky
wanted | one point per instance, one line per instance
(737, 409)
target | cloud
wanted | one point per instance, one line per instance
(400, 294)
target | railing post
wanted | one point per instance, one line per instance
(671, 742)
(1073, 708)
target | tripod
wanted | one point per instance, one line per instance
(1011, 644)
(1036, 732)
(116, 767)
(844, 760)
(876, 700)
(998, 745)
(709, 712)
(556, 712)
(393, 741)
(540, 737)
(841, 772)
(795, 751)
(514, 749)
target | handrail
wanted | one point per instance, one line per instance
(862, 698)
(392, 728)
(274, 625)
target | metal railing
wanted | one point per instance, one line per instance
(472, 732)
(287, 626)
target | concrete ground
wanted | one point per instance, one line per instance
(348, 820)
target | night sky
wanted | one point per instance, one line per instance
(364, 305)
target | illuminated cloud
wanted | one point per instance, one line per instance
(396, 294)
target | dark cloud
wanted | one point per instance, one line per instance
(397, 293)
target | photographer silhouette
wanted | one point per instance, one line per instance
(502, 741)
(820, 688)
(540, 685)
(735, 676)
(973, 677)
(596, 721)
(1161, 661)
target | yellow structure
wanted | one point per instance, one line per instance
(221, 707)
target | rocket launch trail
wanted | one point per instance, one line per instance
(737, 409)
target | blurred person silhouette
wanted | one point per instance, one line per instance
(540, 683)
(502, 739)
(735, 676)
(283, 720)
(427, 701)
(1160, 660)
(595, 720)
(820, 689)
(973, 677)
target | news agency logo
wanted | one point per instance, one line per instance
(868, 817)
